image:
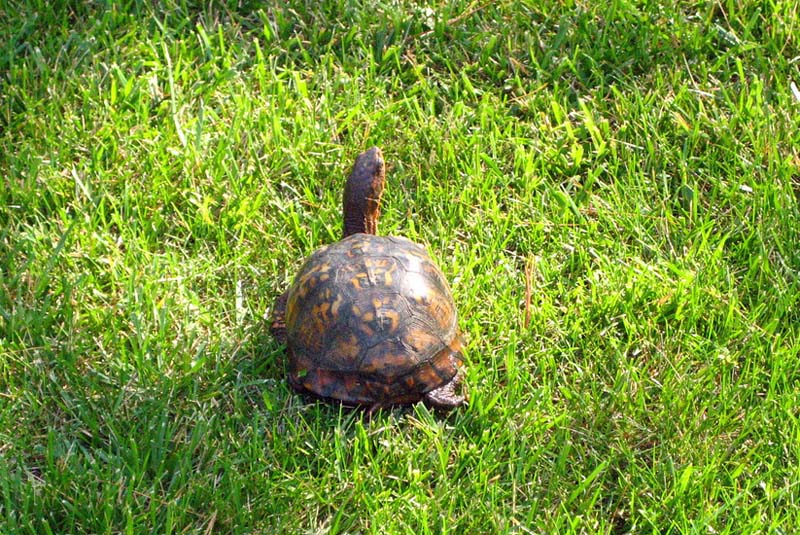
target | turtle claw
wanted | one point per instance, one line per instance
(373, 410)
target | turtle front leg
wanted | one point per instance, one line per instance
(446, 397)
(278, 325)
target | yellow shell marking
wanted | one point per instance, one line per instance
(335, 306)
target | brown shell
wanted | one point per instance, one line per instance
(371, 320)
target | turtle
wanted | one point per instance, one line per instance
(370, 320)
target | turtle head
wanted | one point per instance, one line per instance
(362, 193)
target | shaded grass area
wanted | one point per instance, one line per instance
(611, 189)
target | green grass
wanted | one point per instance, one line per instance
(612, 189)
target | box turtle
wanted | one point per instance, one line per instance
(370, 320)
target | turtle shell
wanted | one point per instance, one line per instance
(371, 320)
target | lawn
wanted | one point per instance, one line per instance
(612, 189)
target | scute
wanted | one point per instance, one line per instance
(390, 360)
(377, 315)
(368, 272)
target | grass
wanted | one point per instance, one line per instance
(612, 189)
